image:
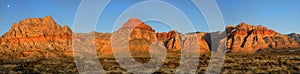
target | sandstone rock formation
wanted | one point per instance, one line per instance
(103, 43)
(135, 34)
(245, 38)
(175, 41)
(171, 40)
(134, 23)
(43, 37)
(195, 41)
(36, 37)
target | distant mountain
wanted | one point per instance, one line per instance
(43, 37)
(295, 36)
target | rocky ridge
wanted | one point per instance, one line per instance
(43, 37)
(245, 38)
(36, 37)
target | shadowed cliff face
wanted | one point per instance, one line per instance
(171, 40)
(43, 37)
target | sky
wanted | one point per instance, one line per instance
(280, 15)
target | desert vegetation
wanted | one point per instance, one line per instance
(283, 63)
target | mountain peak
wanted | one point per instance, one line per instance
(244, 27)
(136, 19)
(36, 27)
(48, 19)
(133, 22)
(136, 24)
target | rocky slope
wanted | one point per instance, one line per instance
(245, 38)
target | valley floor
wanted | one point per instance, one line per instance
(283, 63)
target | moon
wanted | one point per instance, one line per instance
(8, 6)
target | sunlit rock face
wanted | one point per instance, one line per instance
(36, 37)
(245, 38)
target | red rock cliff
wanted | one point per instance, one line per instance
(245, 38)
(33, 37)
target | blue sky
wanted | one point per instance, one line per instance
(280, 15)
